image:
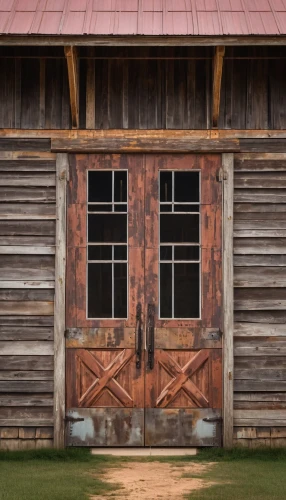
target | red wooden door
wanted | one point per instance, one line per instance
(144, 300)
(183, 277)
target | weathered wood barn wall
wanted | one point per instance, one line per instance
(140, 88)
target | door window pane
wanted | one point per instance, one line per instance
(177, 228)
(180, 229)
(107, 219)
(186, 290)
(166, 290)
(100, 290)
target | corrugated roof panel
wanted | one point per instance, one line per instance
(209, 23)
(147, 17)
(269, 23)
(78, 5)
(127, 23)
(175, 20)
(282, 22)
(104, 5)
(263, 24)
(152, 5)
(73, 23)
(258, 6)
(178, 5)
(26, 5)
(234, 20)
(206, 5)
(152, 23)
(21, 22)
(55, 5)
(102, 23)
(6, 5)
(50, 23)
(3, 20)
(230, 6)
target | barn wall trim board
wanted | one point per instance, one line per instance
(62, 166)
(227, 174)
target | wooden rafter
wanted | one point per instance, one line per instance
(217, 76)
(72, 62)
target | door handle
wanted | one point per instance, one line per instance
(151, 334)
(138, 335)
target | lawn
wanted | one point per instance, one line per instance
(75, 475)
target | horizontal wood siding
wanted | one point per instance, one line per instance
(143, 88)
(27, 276)
(259, 300)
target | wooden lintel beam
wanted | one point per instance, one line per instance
(217, 76)
(72, 63)
(141, 145)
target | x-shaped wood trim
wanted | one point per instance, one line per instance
(105, 378)
(181, 379)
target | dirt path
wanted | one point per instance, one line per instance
(154, 480)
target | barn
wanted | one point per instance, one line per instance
(142, 223)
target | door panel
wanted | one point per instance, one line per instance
(144, 357)
(105, 427)
(185, 379)
(105, 383)
(104, 378)
(182, 427)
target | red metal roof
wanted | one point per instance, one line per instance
(143, 17)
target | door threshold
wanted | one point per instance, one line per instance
(144, 452)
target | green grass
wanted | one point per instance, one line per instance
(51, 475)
(74, 474)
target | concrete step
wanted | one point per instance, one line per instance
(144, 452)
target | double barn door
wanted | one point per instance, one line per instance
(143, 339)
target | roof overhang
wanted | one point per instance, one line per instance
(109, 41)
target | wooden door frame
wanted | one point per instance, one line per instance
(62, 172)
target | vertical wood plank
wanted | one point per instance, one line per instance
(18, 67)
(42, 93)
(90, 92)
(218, 67)
(59, 312)
(72, 63)
(227, 162)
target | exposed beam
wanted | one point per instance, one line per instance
(72, 62)
(139, 145)
(137, 40)
(16, 133)
(217, 76)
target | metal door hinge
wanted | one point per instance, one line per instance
(222, 175)
(73, 419)
(211, 420)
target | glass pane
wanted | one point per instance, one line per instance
(120, 186)
(165, 290)
(187, 253)
(186, 208)
(100, 208)
(165, 253)
(107, 228)
(100, 186)
(120, 290)
(187, 186)
(100, 252)
(186, 290)
(120, 253)
(99, 290)
(165, 186)
(120, 208)
(177, 228)
(165, 208)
